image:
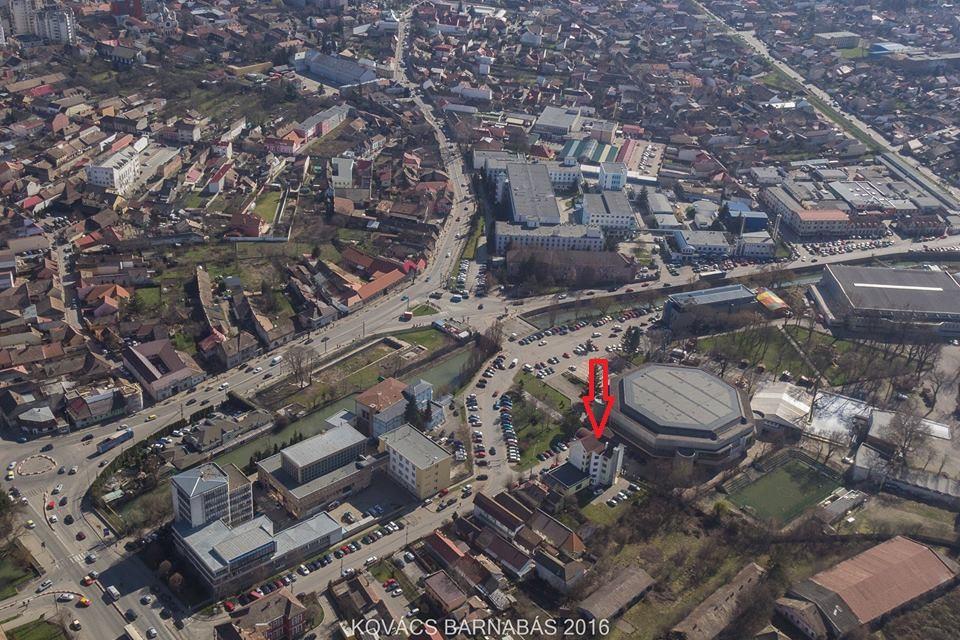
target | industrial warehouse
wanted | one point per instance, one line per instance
(889, 300)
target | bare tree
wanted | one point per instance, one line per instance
(908, 436)
(300, 362)
(938, 378)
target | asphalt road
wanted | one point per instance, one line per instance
(65, 554)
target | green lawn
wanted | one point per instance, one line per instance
(599, 512)
(427, 337)
(853, 53)
(786, 492)
(266, 206)
(535, 431)
(840, 371)
(13, 572)
(38, 630)
(424, 310)
(476, 231)
(765, 345)
(193, 200)
(185, 343)
(778, 80)
(149, 297)
(542, 391)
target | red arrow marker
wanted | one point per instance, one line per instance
(589, 400)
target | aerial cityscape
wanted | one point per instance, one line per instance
(436, 319)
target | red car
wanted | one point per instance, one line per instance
(81, 535)
(254, 595)
(229, 606)
(51, 505)
(389, 583)
(444, 492)
(481, 455)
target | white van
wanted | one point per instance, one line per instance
(114, 593)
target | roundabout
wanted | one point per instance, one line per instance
(36, 464)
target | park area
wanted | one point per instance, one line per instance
(781, 495)
(38, 630)
(15, 569)
(358, 371)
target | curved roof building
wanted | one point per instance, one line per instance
(669, 410)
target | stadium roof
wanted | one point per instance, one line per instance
(677, 398)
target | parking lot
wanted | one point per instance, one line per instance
(546, 354)
(382, 497)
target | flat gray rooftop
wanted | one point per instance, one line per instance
(531, 193)
(322, 445)
(884, 288)
(421, 451)
(678, 398)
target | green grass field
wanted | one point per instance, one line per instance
(427, 337)
(542, 391)
(783, 494)
(38, 630)
(266, 206)
(423, 310)
(767, 345)
(149, 298)
(13, 572)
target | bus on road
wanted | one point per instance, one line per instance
(715, 274)
(113, 440)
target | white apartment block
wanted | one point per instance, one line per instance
(23, 16)
(57, 24)
(603, 462)
(208, 493)
(564, 176)
(609, 210)
(613, 176)
(564, 237)
(118, 171)
(341, 173)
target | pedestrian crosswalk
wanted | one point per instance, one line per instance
(77, 558)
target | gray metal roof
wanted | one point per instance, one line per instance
(217, 545)
(322, 445)
(531, 193)
(559, 118)
(200, 480)
(905, 290)
(679, 398)
(421, 451)
(716, 295)
(305, 532)
(234, 547)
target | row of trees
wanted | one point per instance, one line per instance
(260, 454)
